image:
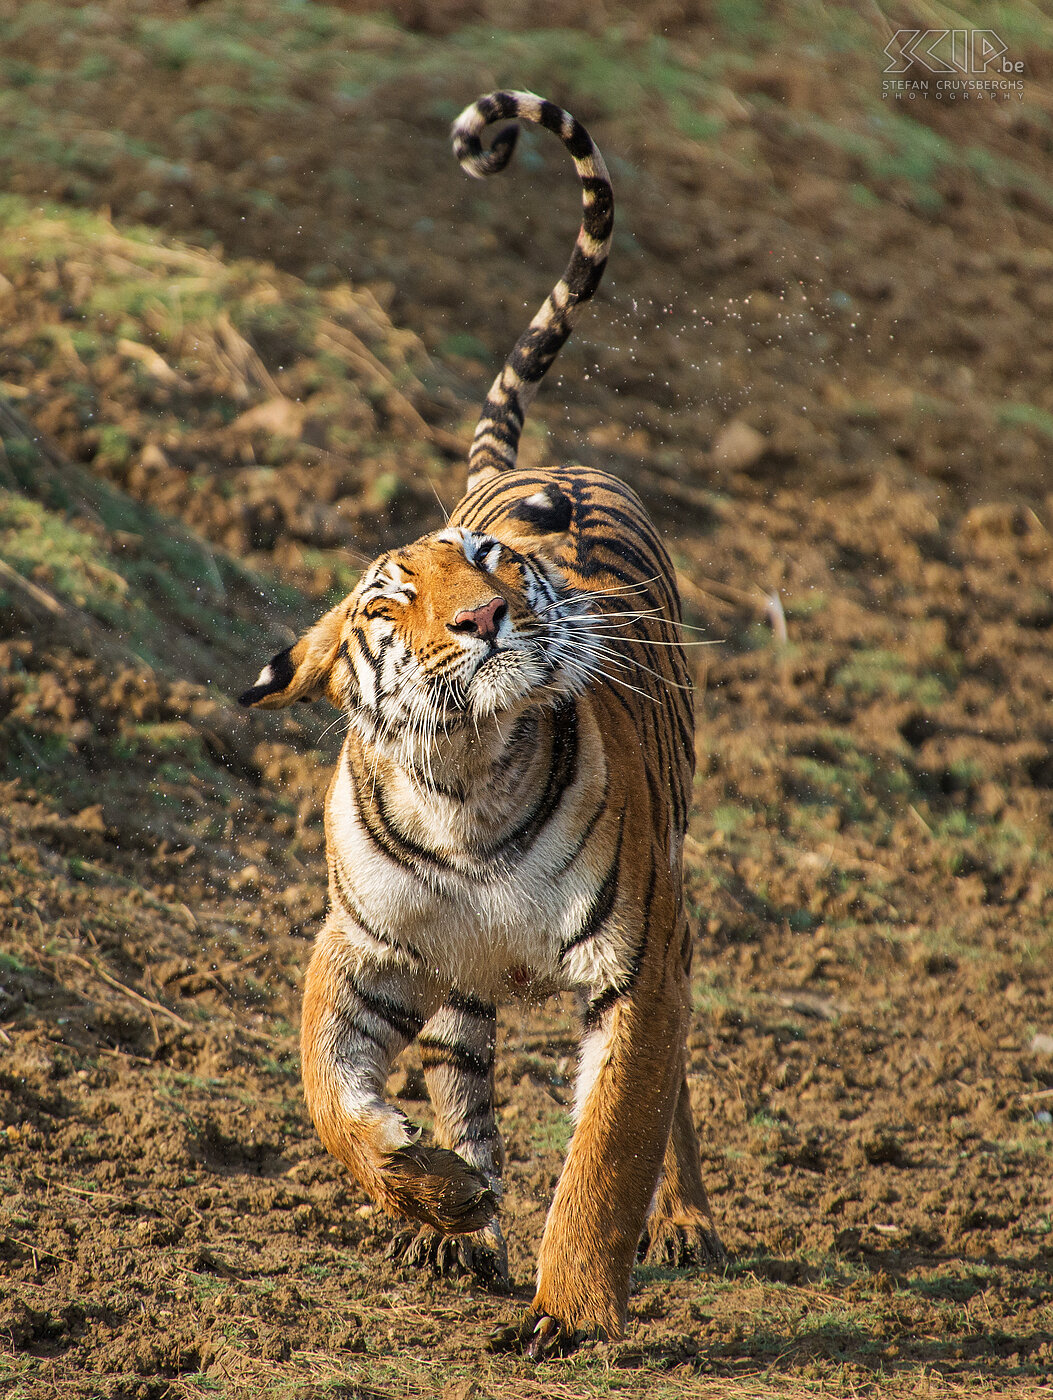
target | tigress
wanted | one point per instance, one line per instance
(506, 819)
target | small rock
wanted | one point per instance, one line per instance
(738, 446)
(247, 879)
(278, 416)
(1041, 1044)
(465, 1389)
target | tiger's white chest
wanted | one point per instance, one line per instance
(490, 927)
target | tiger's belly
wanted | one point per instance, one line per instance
(494, 929)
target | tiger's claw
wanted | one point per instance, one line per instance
(460, 1256)
(682, 1247)
(538, 1337)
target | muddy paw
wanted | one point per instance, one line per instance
(481, 1256)
(538, 1337)
(682, 1247)
(437, 1187)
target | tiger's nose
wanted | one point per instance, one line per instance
(480, 622)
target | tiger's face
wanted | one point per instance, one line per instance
(453, 629)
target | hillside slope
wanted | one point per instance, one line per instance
(823, 357)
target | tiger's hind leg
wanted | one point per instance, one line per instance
(457, 1052)
(359, 1011)
(680, 1231)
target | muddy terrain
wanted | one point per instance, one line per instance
(248, 307)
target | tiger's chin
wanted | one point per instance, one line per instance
(508, 683)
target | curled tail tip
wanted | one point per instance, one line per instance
(467, 130)
(479, 163)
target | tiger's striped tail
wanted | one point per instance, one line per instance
(496, 441)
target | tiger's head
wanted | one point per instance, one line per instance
(446, 632)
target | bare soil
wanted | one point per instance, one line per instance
(831, 384)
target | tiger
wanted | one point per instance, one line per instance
(505, 820)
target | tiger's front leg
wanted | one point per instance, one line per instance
(629, 1079)
(359, 1012)
(457, 1052)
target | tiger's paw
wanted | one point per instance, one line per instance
(439, 1188)
(481, 1256)
(539, 1337)
(673, 1246)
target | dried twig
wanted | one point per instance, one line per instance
(39, 595)
(776, 616)
(131, 992)
(920, 819)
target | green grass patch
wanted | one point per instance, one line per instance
(552, 1134)
(40, 544)
(873, 672)
(1025, 415)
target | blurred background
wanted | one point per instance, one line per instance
(249, 306)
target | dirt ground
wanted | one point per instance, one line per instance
(826, 365)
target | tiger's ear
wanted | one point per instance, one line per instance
(538, 523)
(547, 512)
(302, 671)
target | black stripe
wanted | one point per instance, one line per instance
(625, 520)
(402, 1019)
(487, 1133)
(385, 836)
(625, 700)
(468, 1005)
(483, 1109)
(599, 213)
(377, 835)
(351, 904)
(579, 142)
(534, 351)
(343, 651)
(603, 901)
(551, 118)
(411, 848)
(503, 438)
(598, 532)
(599, 1006)
(590, 826)
(504, 106)
(455, 793)
(349, 901)
(373, 662)
(582, 275)
(357, 1028)
(496, 490)
(626, 548)
(562, 771)
(434, 1053)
